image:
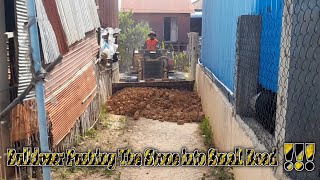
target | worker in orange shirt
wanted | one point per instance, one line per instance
(152, 42)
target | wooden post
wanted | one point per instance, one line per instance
(193, 53)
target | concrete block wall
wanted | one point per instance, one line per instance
(229, 131)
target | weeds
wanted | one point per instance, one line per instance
(182, 61)
(108, 172)
(224, 174)
(77, 141)
(103, 109)
(91, 133)
(207, 132)
(62, 173)
(220, 173)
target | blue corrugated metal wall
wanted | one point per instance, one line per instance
(271, 11)
(219, 38)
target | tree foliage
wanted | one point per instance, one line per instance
(132, 36)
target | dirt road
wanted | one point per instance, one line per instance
(120, 132)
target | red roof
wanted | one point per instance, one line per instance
(157, 6)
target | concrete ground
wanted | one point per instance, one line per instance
(120, 132)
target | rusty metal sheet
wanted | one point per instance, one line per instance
(73, 83)
(78, 18)
(49, 42)
(108, 13)
(70, 103)
(71, 87)
(65, 12)
(54, 18)
(24, 120)
(79, 56)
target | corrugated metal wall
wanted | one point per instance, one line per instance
(78, 57)
(219, 38)
(71, 85)
(271, 11)
(78, 17)
(108, 13)
(24, 120)
(54, 18)
(68, 86)
(49, 42)
(71, 103)
(24, 64)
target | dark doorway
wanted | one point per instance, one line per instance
(167, 29)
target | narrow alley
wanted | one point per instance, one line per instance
(114, 132)
(173, 89)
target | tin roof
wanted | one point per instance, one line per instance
(157, 6)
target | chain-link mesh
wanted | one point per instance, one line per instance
(278, 90)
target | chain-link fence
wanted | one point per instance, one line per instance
(286, 110)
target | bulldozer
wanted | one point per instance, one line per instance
(149, 68)
(154, 69)
(152, 65)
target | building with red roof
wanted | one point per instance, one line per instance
(169, 19)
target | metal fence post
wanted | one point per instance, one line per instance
(35, 51)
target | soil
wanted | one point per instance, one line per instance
(135, 127)
(157, 104)
(120, 132)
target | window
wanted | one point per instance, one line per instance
(170, 29)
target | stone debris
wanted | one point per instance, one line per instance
(158, 104)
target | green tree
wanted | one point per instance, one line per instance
(132, 36)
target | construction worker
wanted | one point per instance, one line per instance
(152, 42)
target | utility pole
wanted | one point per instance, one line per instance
(193, 53)
(36, 57)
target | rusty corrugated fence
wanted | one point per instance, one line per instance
(108, 13)
(50, 49)
(54, 18)
(77, 17)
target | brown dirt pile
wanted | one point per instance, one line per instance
(158, 104)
